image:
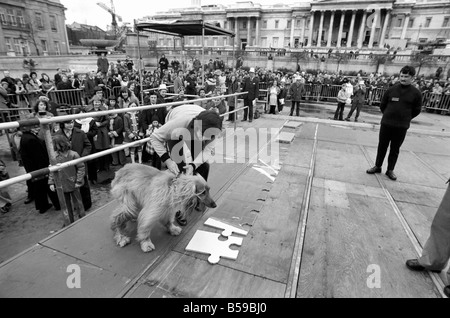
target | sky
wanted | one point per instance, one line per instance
(88, 12)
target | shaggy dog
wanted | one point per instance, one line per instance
(148, 195)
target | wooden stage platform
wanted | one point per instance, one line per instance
(319, 226)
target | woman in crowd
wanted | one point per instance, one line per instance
(233, 87)
(42, 110)
(273, 93)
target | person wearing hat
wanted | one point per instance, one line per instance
(162, 91)
(251, 86)
(358, 100)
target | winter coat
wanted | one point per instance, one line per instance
(296, 91)
(70, 176)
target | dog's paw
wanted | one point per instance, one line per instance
(147, 246)
(122, 240)
(174, 230)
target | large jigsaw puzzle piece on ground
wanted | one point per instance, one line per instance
(227, 229)
(209, 243)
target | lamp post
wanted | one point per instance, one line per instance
(418, 34)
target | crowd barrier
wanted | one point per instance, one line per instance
(55, 168)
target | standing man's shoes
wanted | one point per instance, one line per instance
(391, 175)
(373, 170)
(244, 120)
(447, 291)
(414, 265)
(28, 200)
(347, 119)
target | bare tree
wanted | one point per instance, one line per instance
(419, 60)
(299, 56)
(30, 34)
(381, 59)
(341, 58)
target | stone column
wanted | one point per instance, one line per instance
(405, 25)
(341, 26)
(362, 29)
(311, 23)
(291, 39)
(302, 35)
(257, 43)
(385, 24)
(319, 37)
(352, 26)
(330, 29)
(249, 32)
(372, 31)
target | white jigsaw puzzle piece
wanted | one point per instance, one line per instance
(227, 229)
(209, 243)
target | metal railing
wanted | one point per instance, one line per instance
(55, 168)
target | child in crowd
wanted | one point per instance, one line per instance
(116, 137)
(132, 133)
(156, 161)
(5, 198)
(72, 178)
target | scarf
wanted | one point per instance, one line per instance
(85, 123)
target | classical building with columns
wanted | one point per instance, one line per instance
(318, 24)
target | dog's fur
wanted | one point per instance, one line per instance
(148, 195)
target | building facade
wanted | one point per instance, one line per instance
(320, 24)
(32, 27)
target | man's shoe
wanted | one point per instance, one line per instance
(391, 175)
(356, 120)
(347, 119)
(28, 200)
(244, 120)
(42, 211)
(373, 170)
(181, 220)
(414, 265)
(447, 291)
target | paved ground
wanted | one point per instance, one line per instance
(319, 225)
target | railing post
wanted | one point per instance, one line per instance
(68, 218)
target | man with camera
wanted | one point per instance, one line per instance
(359, 97)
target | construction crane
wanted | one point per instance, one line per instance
(112, 11)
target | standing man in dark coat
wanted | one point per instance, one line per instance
(34, 157)
(102, 64)
(163, 64)
(399, 105)
(89, 86)
(296, 91)
(191, 87)
(251, 86)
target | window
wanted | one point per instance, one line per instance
(411, 23)
(53, 23)
(265, 24)
(289, 24)
(244, 25)
(191, 40)
(275, 42)
(427, 22)
(298, 23)
(17, 48)
(161, 42)
(44, 46)
(215, 42)
(254, 24)
(264, 42)
(9, 45)
(225, 25)
(276, 24)
(399, 22)
(20, 19)
(169, 42)
(39, 21)
(57, 48)
(225, 41)
(3, 16)
(11, 17)
(445, 24)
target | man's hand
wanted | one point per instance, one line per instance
(52, 187)
(172, 166)
(189, 170)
